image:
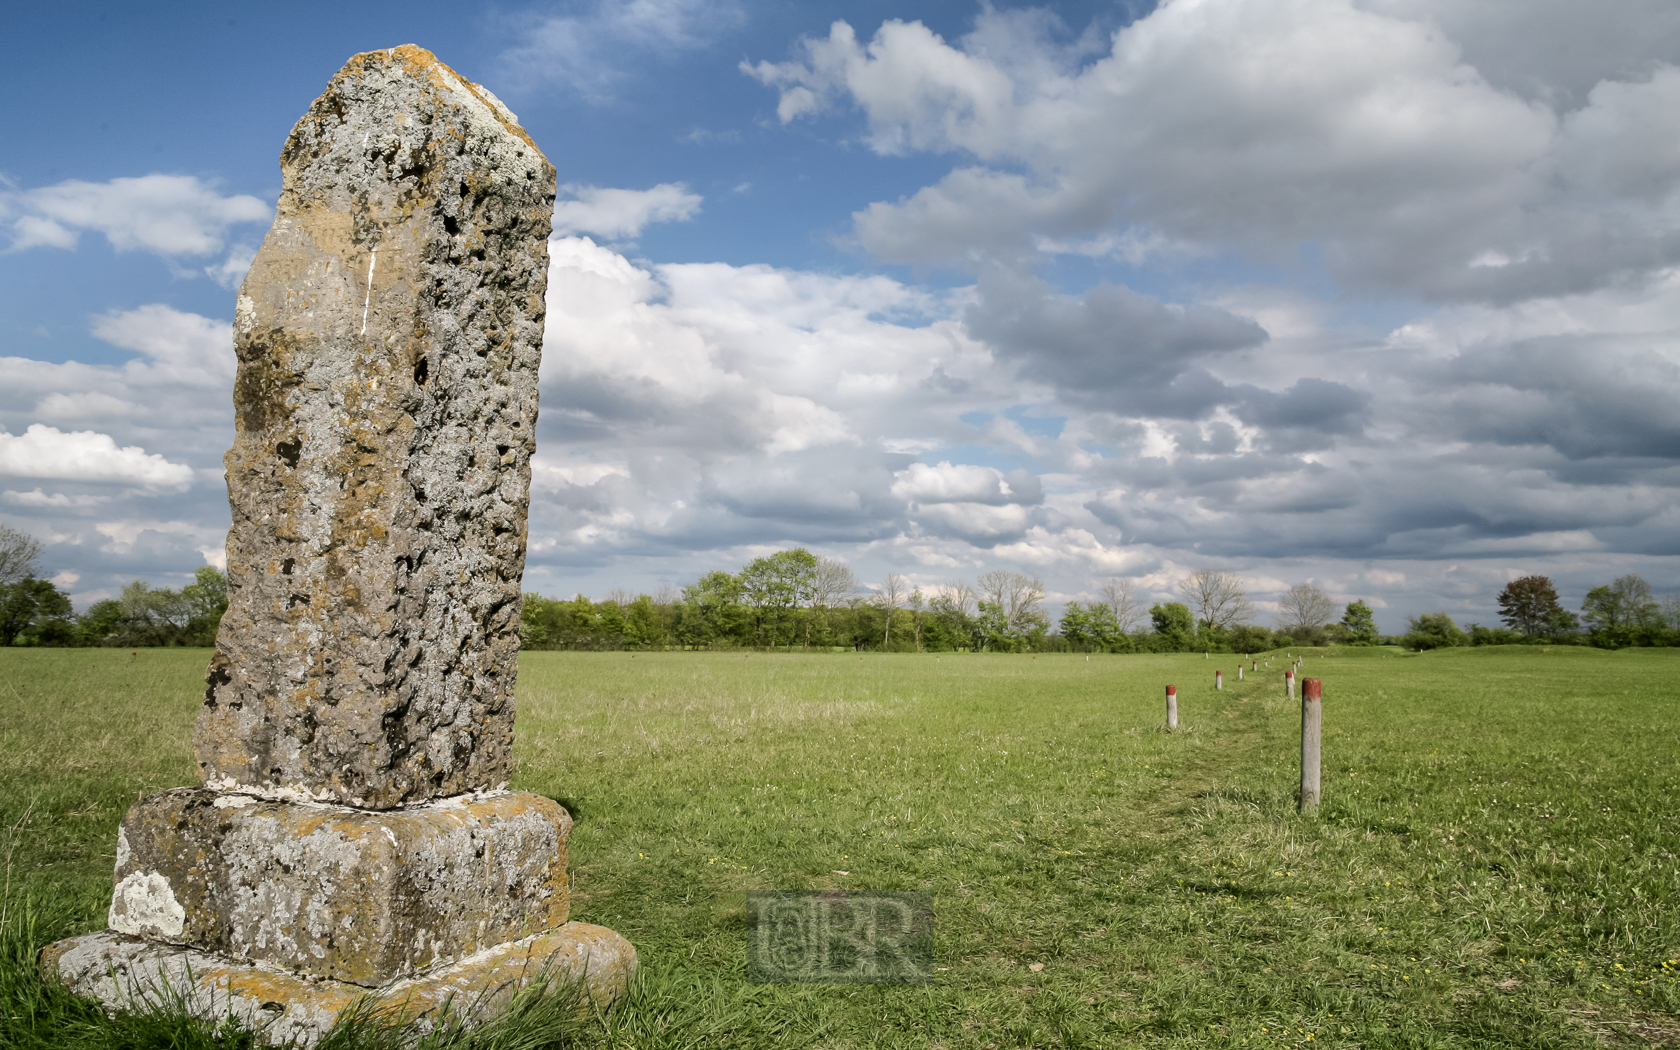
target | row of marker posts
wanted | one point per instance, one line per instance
(1312, 727)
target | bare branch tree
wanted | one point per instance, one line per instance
(958, 595)
(832, 584)
(1017, 597)
(1217, 597)
(894, 590)
(1116, 592)
(1304, 605)
(20, 555)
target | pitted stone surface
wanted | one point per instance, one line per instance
(388, 333)
(351, 895)
(124, 973)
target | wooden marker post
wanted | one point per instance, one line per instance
(1239, 672)
(1172, 707)
(1312, 741)
(1219, 679)
(1289, 683)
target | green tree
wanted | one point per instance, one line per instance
(1625, 604)
(1434, 630)
(712, 610)
(1091, 628)
(1075, 626)
(916, 605)
(773, 586)
(99, 623)
(1251, 639)
(537, 615)
(150, 616)
(1174, 624)
(28, 606)
(1361, 622)
(1527, 604)
(953, 614)
(206, 600)
(992, 627)
(642, 623)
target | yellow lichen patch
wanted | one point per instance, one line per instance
(424, 65)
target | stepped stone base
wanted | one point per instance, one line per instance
(339, 893)
(127, 973)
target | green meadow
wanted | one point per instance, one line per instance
(1495, 862)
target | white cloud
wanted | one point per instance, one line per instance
(125, 534)
(231, 270)
(591, 52)
(621, 214)
(976, 523)
(666, 391)
(175, 393)
(46, 452)
(171, 215)
(945, 482)
(918, 92)
(37, 498)
(1258, 125)
(181, 347)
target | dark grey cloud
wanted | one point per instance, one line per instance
(1553, 50)
(1588, 397)
(1113, 349)
(1306, 416)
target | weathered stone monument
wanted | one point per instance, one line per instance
(354, 831)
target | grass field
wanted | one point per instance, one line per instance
(1494, 864)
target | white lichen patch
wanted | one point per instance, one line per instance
(144, 905)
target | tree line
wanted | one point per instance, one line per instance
(34, 611)
(1618, 615)
(795, 599)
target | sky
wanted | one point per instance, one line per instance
(1383, 295)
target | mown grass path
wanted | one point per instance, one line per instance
(1494, 863)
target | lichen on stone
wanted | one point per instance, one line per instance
(389, 334)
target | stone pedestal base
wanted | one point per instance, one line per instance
(128, 973)
(344, 894)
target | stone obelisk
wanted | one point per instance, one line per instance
(354, 831)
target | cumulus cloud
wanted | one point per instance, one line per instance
(169, 215)
(83, 455)
(1260, 125)
(621, 214)
(178, 383)
(176, 347)
(966, 483)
